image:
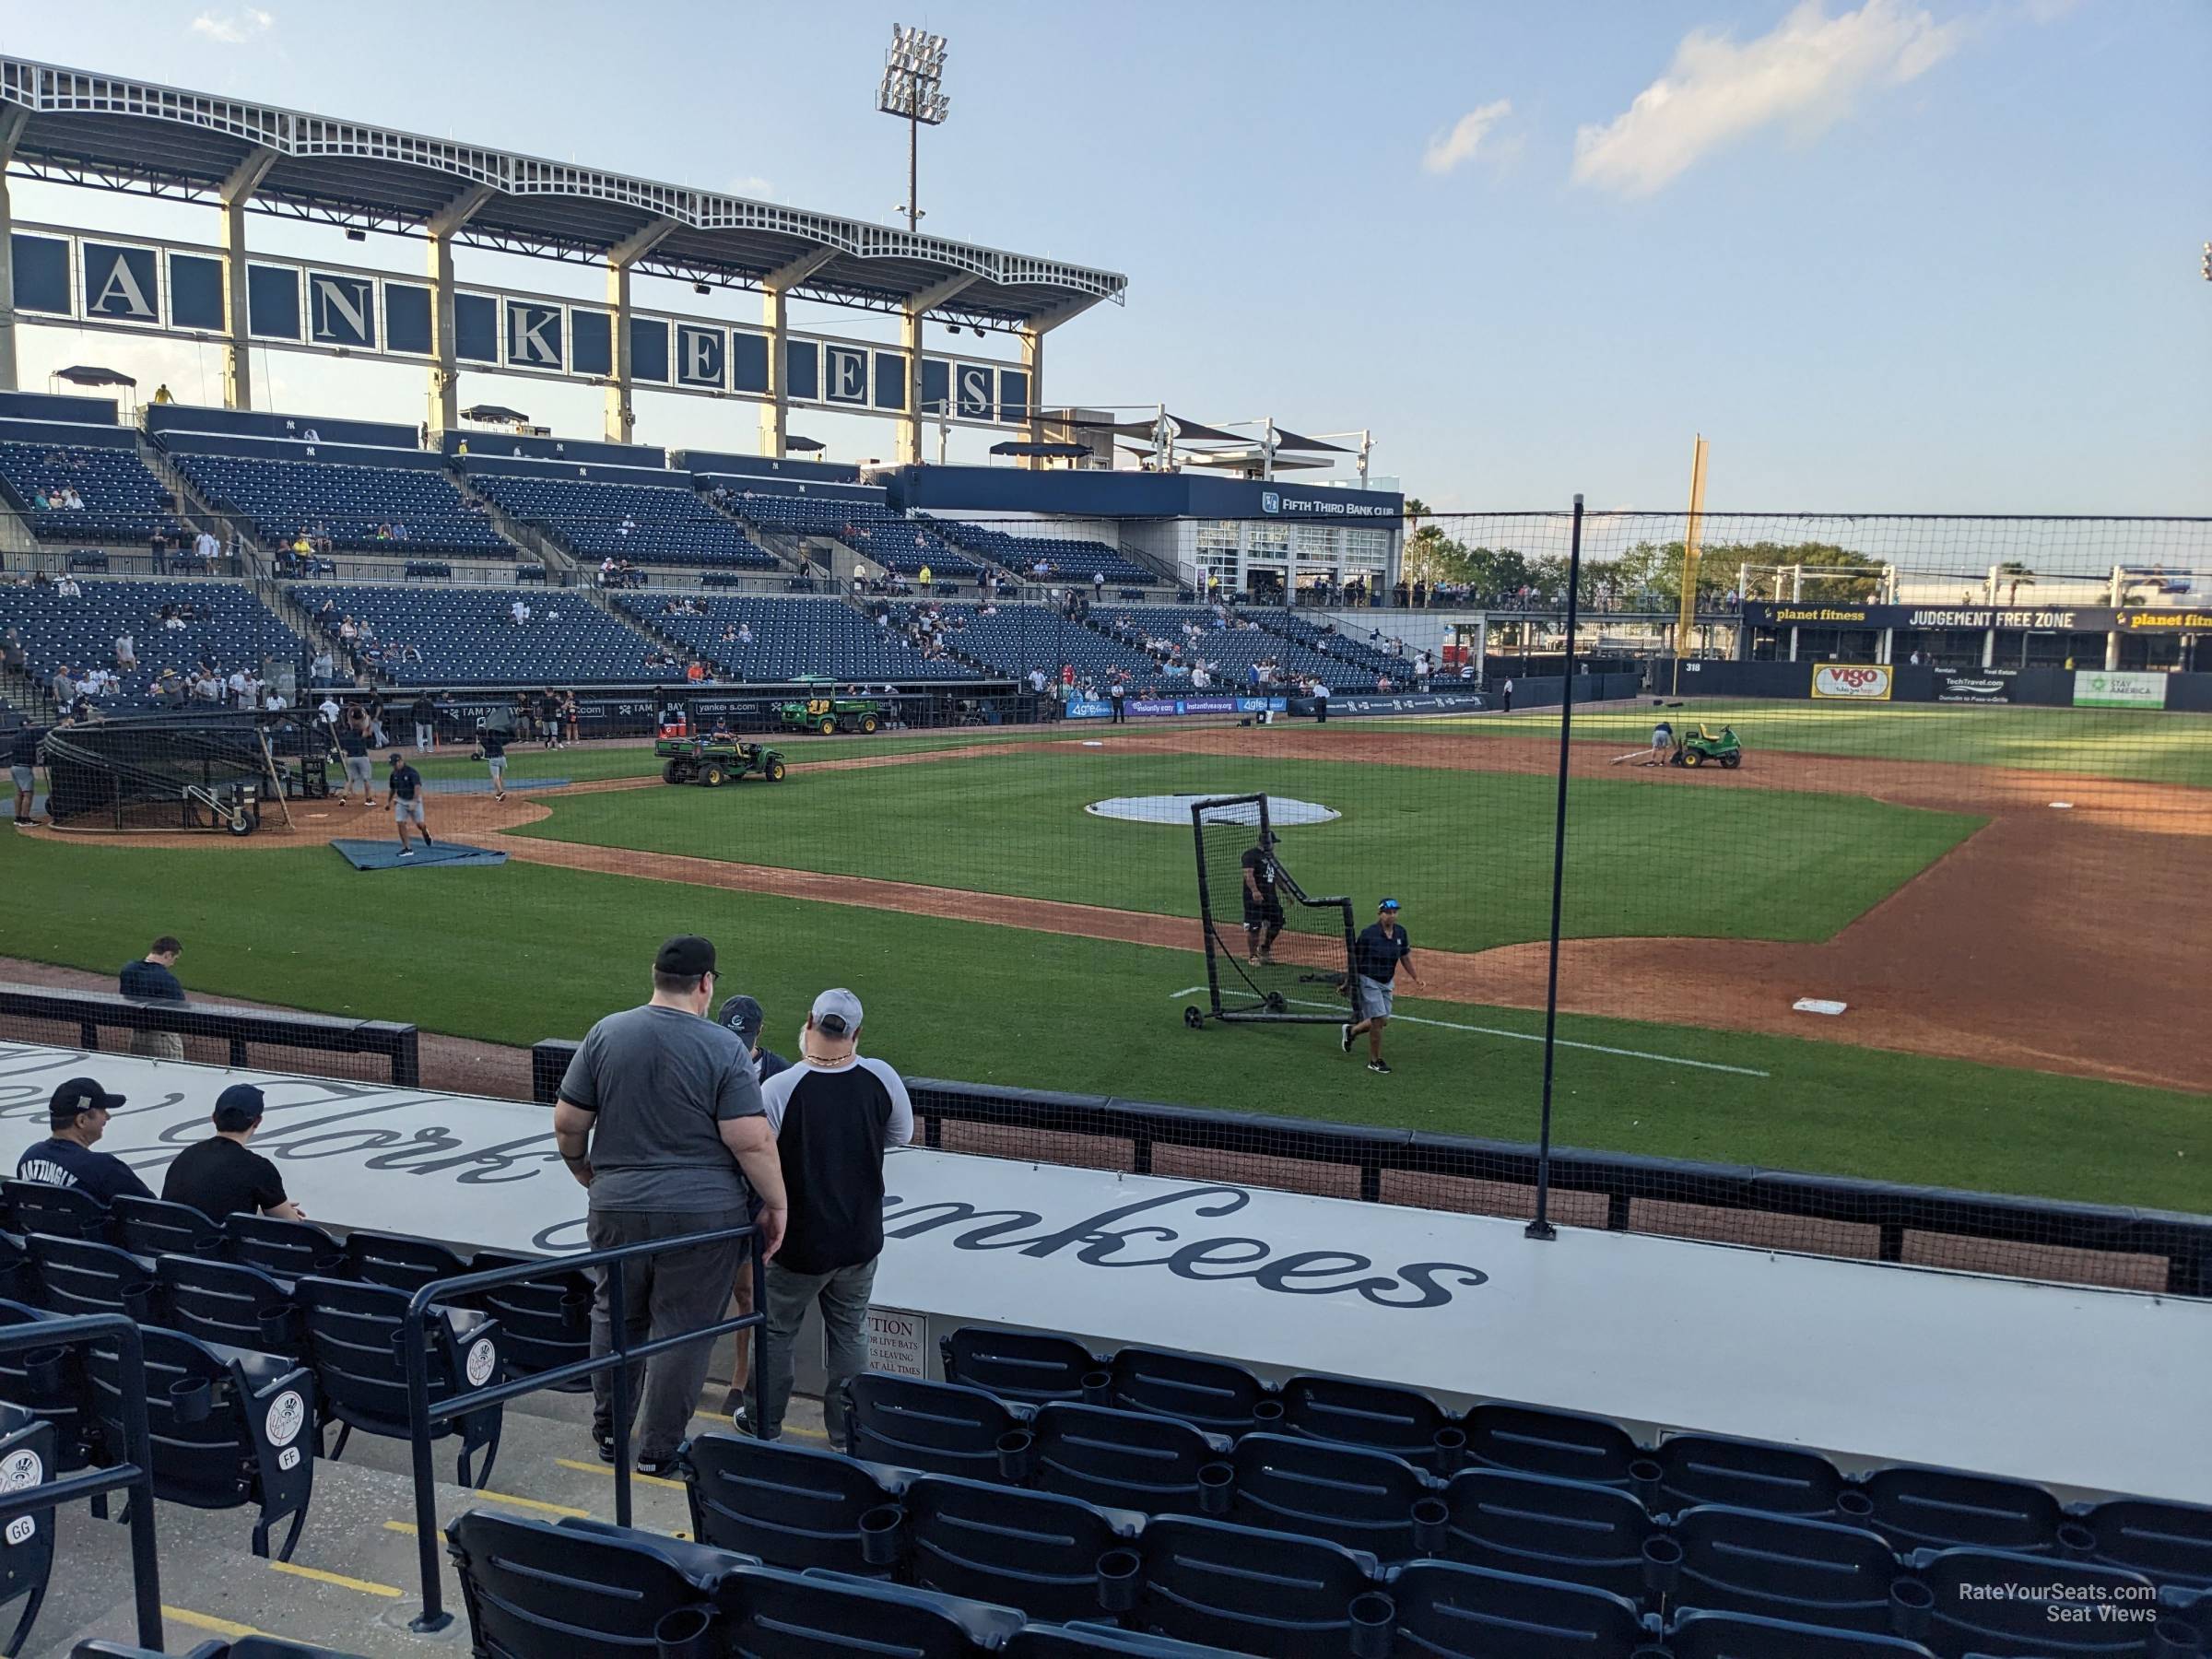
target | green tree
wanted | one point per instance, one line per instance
(2014, 576)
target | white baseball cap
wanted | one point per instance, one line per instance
(837, 1011)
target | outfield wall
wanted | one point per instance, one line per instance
(2036, 686)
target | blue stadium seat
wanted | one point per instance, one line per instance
(791, 639)
(229, 628)
(1398, 1421)
(229, 1428)
(1732, 1560)
(2168, 1543)
(1545, 1527)
(1444, 1609)
(625, 513)
(78, 1275)
(1084, 1640)
(1739, 1636)
(286, 1249)
(352, 1332)
(403, 1263)
(50, 1382)
(62, 1212)
(1962, 1618)
(148, 1227)
(29, 1455)
(1128, 1460)
(1213, 1393)
(790, 1506)
(1022, 1365)
(403, 511)
(1072, 560)
(1712, 1468)
(768, 1612)
(1361, 1499)
(1917, 1508)
(1052, 1557)
(1253, 1592)
(939, 1427)
(871, 529)
(547, 1319)
(123, 500)
(1234, 648)
(466, 635)
(229, 1302)
(538, 1591)
(1566, 1444)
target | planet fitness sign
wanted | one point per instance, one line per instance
(1860, 682)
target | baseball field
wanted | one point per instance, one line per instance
(1991, 893)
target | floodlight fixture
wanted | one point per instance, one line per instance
(914, 89)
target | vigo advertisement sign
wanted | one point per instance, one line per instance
(1861, 682)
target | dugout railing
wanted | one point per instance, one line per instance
(1049, 1126)
(89, 1013)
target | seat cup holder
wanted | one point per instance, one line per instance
(211, 1247)
(2075, 1540)
(1016, 1450)
(576, 1312)
(1451, 1449)
(1912, 1609)
(685, 1633)
(1431, 1526)
(42, 1370)
(1855, 1507)
(1662, 1564)
(2170, 1638)
(881, 1544)
(1098, 1388)
(191, 1399)
(332, 1266)
(1373, 1617)
(138, 1301)
(281, 1327)
(1267, 1415)
(1215, 1479)
(1118, 1570)
(1645, 1476)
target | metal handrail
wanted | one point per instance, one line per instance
(135, 1473)
(422, 1412)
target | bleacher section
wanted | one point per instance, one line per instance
(1066, 560)
(1244, 641)
(468, 635)
(124, 501)
(409, 512)
(230, 628)
(876, 533)
(645, 523)
(1354, 649)
(1021, 637)
(791, 639)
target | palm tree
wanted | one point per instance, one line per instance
(2016, 575)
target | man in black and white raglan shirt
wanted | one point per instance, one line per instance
(834, 1114)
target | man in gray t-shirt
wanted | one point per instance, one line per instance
(660, 1118)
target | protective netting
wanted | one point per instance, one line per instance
(1273, 950)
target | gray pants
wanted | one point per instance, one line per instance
(845, 1298)
(665, 1295)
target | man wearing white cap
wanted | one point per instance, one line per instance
(834, 1113)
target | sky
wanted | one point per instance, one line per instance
(1909, 255)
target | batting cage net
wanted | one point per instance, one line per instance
(1272, 951)
(220, 772)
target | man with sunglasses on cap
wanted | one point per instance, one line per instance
(219, 1177)
(834, 1114)
(659, 1118)
(1378, 953)
(78, 1114)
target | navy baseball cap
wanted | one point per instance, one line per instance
(1388, 904)
(744, 1016)
(79, 1095)
(238, 1107)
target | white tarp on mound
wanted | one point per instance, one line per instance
(2094, 1390)
(1282, 811)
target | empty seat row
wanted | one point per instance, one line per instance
(954, 1569)
(646, 523)
(399, 509)
(870, 528)
(1066, 560)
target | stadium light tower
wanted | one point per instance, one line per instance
(914, 89)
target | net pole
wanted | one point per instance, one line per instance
(1541, 1228)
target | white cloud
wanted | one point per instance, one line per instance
(1450, 151)
(1805, 72)
(754, 188)
(232, 29)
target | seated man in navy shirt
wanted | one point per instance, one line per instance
(78, 1116)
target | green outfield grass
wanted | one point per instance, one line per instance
(526, 760)
(1469, 853)
(2140, 745)
(517, 953)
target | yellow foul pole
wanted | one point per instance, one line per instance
(1686, 620)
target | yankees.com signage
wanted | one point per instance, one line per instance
(1861, 682)
(177, 290)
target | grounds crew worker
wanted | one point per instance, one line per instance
(1378, 953)
(834, 1114)
(77, 1113)
(668, 1105)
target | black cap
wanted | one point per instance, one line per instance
(745, 1016)
(687, 954)
(395, 758)
(79, 1095)
(238, 1107)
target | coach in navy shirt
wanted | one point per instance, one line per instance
(152, 979)
(78, 1116)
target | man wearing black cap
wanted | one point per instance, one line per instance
(835, 1113)
(743, 1018)
(660, 1118)
(78, 1116)
(406, 804)
(219, 1177)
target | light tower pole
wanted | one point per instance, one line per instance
(914, 89)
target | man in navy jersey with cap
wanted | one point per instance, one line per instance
(1378, 953)
(77, 1117)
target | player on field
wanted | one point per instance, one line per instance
(406, 804)
(491, 749)
(1263, 902)
(1380, 951)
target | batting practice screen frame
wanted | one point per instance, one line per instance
(1316, 944)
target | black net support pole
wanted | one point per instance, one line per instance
(1541, 1228)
